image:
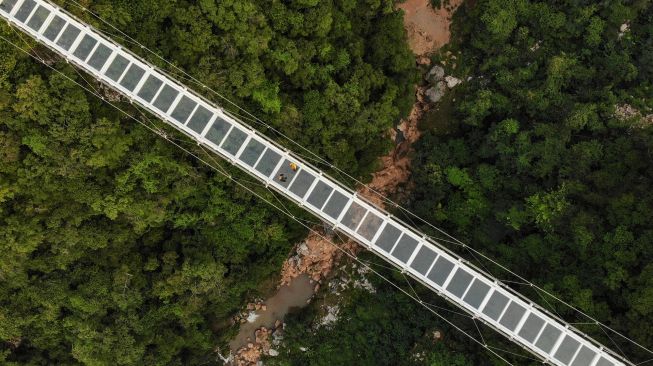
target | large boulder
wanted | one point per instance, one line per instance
(452, 81)
(435, 93)
(435, 75)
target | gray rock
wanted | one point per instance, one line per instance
(452, 81)
(435, 93)
(435, 74)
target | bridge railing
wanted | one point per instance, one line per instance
(449, 275)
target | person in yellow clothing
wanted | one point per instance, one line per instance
(293, 166)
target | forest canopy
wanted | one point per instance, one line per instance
(549, 170)
(116, 248)
(546, 166)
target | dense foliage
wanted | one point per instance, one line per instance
(542, 173)
(118, 249)
(331, 75)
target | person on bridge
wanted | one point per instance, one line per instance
(282, 177)
(293, 166)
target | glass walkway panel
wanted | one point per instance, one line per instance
(482, 296)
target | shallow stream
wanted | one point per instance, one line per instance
(293, 295)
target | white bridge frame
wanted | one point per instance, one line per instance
(468, 287)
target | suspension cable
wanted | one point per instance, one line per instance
(489, 348)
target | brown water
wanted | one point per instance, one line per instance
(293, 295)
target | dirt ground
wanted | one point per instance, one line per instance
(315, 256)
(395, 167)
(427, 29)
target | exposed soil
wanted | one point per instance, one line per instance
(427, 29)
(315, 256)
(392, 178)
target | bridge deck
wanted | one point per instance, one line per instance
(477, 293)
